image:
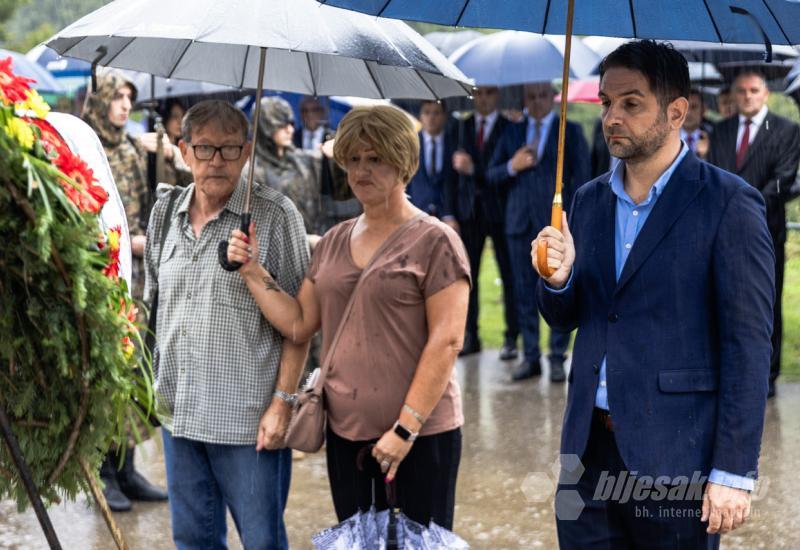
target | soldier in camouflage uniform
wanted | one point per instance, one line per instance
(279, 165)
(107, 110)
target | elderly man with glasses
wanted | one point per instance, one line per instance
(223, 375)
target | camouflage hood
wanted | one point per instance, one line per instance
(95, 114)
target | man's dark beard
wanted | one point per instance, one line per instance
(639, 148)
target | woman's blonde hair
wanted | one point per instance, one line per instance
(387, 130)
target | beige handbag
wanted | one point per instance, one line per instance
(307, 428)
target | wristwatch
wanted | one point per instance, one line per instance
(290, 398)
(404, 433)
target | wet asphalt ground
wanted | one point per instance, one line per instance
(512, 431)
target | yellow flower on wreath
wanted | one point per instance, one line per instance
(21, 131)
(36, 103)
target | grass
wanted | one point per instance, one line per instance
(492, 324)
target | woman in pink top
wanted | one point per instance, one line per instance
(391, 380)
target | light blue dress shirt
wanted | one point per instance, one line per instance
(630, 219)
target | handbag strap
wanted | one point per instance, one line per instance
(323, 371)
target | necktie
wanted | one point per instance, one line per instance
(432, 160)
(744, 145)
(534, 141)
(690, 142)
(481, 130)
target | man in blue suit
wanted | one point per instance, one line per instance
(480, 210)
(524, 165)
(667, 272)
(427, 189)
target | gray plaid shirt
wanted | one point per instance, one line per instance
(217, 358)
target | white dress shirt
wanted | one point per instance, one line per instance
(755, 125)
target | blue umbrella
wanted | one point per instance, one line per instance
(45, 83)
(513, 57)
(58, 65)
(763, 21)
(71, 74)
(711, 20)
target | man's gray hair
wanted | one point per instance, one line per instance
(229, 118)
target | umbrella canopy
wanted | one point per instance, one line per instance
(709, 52)
(309, 49)
(448, 42)
(57, 65)
(711, 20)
(172, 87)
(73, 73)
(513, 57)
(773, 72)
(45, 83)
(583, 91)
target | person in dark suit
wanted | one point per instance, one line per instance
(666, 270)
(524, 165)
(427, 189)
(697, 129)
(601, 158)
(337, 201)
(767, 159)
(314, 130)
(480, 208)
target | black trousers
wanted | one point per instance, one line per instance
(425, 482)
(607, 519)
(474, 233)
(777, 320)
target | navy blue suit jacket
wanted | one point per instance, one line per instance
(530, 193)
(430, 193)
(469, 190)
(686, 329)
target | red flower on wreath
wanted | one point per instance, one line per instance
(128, 311)
(82, 190)
(51, 140)
(112, 240)
(13, 88)
(87, 196)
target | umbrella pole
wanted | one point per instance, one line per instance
(222, 250)
(558, 204)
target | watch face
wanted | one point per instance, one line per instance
(402, 432)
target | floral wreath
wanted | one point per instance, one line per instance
(69, 370)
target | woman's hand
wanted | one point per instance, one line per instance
(389, 452)
(244, 249)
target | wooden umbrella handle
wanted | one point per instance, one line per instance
(541, 245)
(558, 208)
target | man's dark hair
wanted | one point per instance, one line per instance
(665, 69)
(435, 102)
(229, 118)
(698, 93)
(749, 71)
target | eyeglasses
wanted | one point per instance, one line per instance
(207, 152)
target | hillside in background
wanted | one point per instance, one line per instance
(33, 21)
